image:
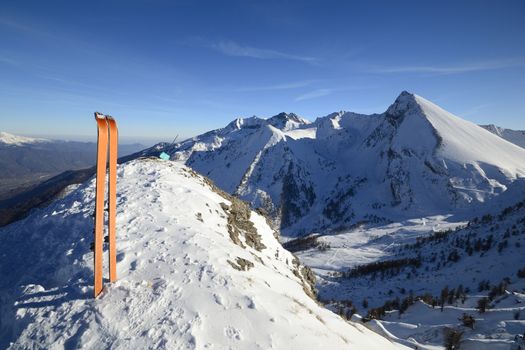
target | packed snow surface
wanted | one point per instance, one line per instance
(183, 281)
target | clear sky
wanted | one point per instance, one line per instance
(184, 67)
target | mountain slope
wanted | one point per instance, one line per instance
(414, 160)
(517, 137)
(27, 161)
(10, 139)
(424, 283)
(196, 269)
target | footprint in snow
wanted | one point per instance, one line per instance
(218, 299)
(232, 333)
(250, 303)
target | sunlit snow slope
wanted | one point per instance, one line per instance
(413, 160)
(197, 269)
(517, 137)
(11, 139)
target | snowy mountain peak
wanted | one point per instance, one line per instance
(347, 167)
(245, 123)
(494, 129)
(404, 102)
(287, 121)
(328, 125)
(16, 140)
(282, 121)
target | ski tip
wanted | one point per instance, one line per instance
(99, 115)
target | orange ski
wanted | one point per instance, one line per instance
(102, 148)
(112, 200)
(107, 134)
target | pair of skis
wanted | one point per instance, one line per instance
(107, 136)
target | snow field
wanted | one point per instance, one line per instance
(177, 287)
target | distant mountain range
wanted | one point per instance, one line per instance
(25, 161)
(413, 160)
(413, 216)
(338, 171)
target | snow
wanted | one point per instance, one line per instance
(494, 329)
(17, 140)
(287, 122)
(517, 137)
(467, 143)
(415, 160)
(420, 323)
(177, 287)
(379, 182)
(298, 134)
(367, 244)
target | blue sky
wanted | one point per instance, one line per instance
(184, 67)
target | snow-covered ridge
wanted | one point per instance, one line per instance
(466, 142)
(282, 121)
(287, 122)
(16, 140)
(413, 160)
(197, 269)
(517, 137)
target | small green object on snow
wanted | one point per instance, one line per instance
(164, 156)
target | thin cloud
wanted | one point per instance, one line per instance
(314, 94)
(328, 91)
(231, 48)
(20, 27)
(15, 25)
(451, 69)
(284, 86)
(9, 61)
(475, 110)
